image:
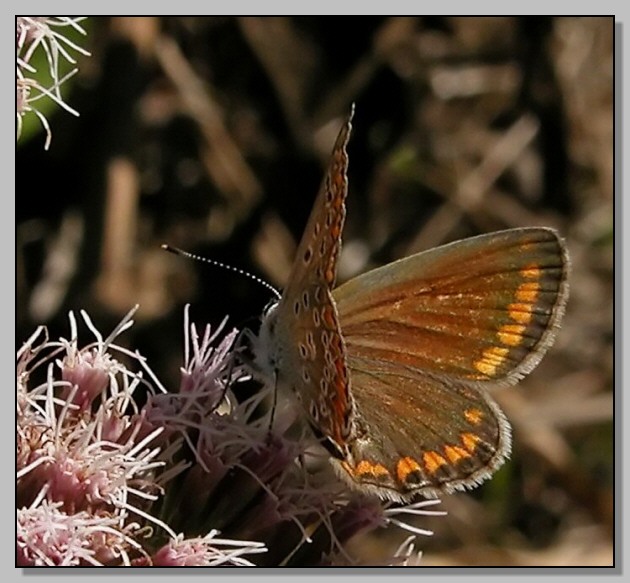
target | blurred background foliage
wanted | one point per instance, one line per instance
(211, 134)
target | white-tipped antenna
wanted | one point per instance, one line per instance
(262, 282)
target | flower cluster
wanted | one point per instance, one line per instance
(113, 469)
(43, 34)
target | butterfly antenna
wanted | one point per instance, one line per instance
(177, 251)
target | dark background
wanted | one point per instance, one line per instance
(212, 133)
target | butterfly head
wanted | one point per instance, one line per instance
(267, 358)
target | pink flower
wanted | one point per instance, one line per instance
(104, 480)
(41, 33)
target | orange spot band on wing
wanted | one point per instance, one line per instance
(528, 292)
(433, 461)
(521, 313)
(405, 467)
(511, 334)
(531, 271)
(491, 359)
(455, 453)
(470, 441)
(473, 416)
(366, 468)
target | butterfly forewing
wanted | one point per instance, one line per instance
(316, 257)
(307, 336)
(484, 309)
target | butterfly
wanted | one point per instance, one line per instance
(392, 368)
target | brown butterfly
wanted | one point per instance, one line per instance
(392, 368)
